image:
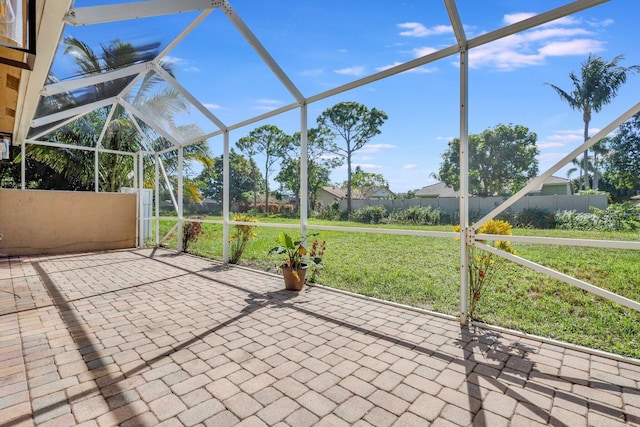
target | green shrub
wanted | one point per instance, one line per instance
(417, 215)
(617, 217)
(534, 218)
(331, 213)
(241, 235)
(369, 215)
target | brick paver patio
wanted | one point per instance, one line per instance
(146, 338)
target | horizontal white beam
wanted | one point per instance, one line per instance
(69, 85)
(142, 9)
(264, 116)
(562, 277)
(451, 50)
(534, 21)
(80, 147)
(77, 111)
(54, 127)
(563, 241)
(401, 68)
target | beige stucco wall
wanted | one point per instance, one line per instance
(42, 222)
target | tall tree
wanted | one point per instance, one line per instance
(501, 160)
(356, 125)
(623, 159)
(242, 173)
(596, 87)
(319, 164)
(364, 181)
(247, 146)
(272, 143)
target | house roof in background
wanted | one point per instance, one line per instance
(553, 180)
(334, 191)
(438, 189)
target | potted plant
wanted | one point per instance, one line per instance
(294, 265)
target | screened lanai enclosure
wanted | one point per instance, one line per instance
(164, 77)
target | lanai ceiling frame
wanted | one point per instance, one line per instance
(87, 16)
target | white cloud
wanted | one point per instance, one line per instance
(550, 158)
(562, 37)
(565, 138)
(548, 33)
(600, 24)
(411, 166)
(212, 106)
(356, 71)
(376, 148)
(531, 48)
(423, 51)
(314, 72)
(267, 104)
(572, 47)
(545, 145)
(512, 18)
(269, 101)
(172, 59)
(416, 29)
(182, 64)
(368, 166)
(445, 138)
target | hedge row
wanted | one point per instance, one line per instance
(617, 217)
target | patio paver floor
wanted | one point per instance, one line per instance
(146, 337)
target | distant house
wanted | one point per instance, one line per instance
(328, 195)
(325, 196)
(553, 185)
(438, 189)
(550, 186)
(380, 192)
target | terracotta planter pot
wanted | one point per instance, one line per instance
(294, 278)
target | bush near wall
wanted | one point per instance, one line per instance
(369, 215)
(417, 215)
(617, 217)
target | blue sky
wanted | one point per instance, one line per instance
(324, 44)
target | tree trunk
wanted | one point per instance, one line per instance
(255, 190)
(585, 159)
(596, 178)
(349, 183)
(266, 187)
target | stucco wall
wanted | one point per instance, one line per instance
(41, 222)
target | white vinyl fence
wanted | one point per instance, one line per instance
(551, 204)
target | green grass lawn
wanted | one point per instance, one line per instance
(423, 272)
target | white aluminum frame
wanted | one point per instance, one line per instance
(110, 13)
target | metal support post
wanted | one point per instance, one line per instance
(141, 216)
(157, 199)
(304, 173)
(180, 197)
(461, 38)
(225, 198)
(96, 177)
(23, 165)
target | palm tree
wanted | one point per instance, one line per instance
(596, 87)
(121, 134)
